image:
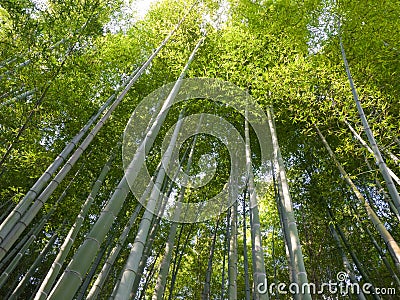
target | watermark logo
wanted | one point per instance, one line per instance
(144, 126)
(342, 286)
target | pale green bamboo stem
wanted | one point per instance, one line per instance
(93, 268)
(377, 154)
(285, 232)
(31, 236)
(133, 261)
(390, 242)
(18, 290)
(102, 277)
(385, 195)
(166, 261)
(152, 234)
(51, 276)
(23, 205)
(346, 262)
(36, 229)
(357, 262)
(28, 216)
(287, 208)
(6, 273)
(362, 142)
(207, 284)
(7, 211)
(175, 269)
(382, 254)
(224, 255)
(259, 274)
(354, 257)
(19, 97)
(232, 259)
(149, 275)
(245, 256)
(72, 277)
(146, 253)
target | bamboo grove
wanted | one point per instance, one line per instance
(323, 205)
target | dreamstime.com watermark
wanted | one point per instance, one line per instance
(342, 286)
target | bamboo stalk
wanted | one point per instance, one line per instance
(390, 242)
(287, 209)
(377, 154)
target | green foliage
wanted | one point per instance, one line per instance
(73, 63)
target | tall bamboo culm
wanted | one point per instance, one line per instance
(390, 242)
(288, 213)
(259, 274)
(377, 154)
(52, 274)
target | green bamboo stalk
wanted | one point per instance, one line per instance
(18, 290)
(6, 273)
(226, 245)
(154, 228)
(377, 154)
(390, 242)
(72, 277)
(166, 261)
(150, 275)
(28, 216)
(274, 260)
(259, 274)
(102, 277)
(133, 261)
(362, 142)
(8, 210)
(32, 234)
(392, 156)
(14, 92)
(245, 256)
(285, 232)
(92, 271)
(382, 254)
(23, 205)
(175, 270)
(151, 237)
(7, 61)
(51, 276)
(354, 257)
(40, 99)
(28, 61)
(385, 195)
(232, 259)
(207, 283)
(36, 229)
(346, 262)
(21, 96)
(114, 291)
(287, 208)
(146, 253)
